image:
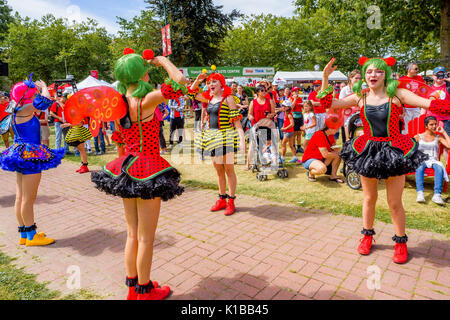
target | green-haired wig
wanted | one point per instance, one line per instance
(129, 70)
(390, 84)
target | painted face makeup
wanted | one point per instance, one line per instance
(374, 77)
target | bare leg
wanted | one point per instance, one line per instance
(370, 190)
(221, 179)
(317, 168)
(30, 185)
(5, 138)
(131, 246)
(394, 192)
(18, 203)
(283, 146)
(249, 155)
(83, 154)
(232, 180)
(291, 145)
(148, 215)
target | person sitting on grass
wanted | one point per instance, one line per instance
(429, 143)
(319, 158)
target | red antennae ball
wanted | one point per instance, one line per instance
(148, 54)
(128, 51)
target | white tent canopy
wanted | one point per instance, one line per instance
(308, 76)
(90, 81)
(428, 73)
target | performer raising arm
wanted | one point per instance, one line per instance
(220, 141)
(382, 152)
(28, 157)
(141, 176)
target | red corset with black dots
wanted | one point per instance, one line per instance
(142, 159)
(382, 123)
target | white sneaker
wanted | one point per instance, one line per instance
(437, 198)
(420, 197)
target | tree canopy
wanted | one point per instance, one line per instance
(5, 18)
(47, 46)
(197, 29)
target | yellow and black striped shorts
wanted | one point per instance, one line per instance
(216, 143)
(77, 135)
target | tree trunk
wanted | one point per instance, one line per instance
(445, 35)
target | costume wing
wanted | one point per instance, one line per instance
(418, 87)
(101, 103)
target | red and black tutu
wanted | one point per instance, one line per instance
(141, 172)
(381, 160)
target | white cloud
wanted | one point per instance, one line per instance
(35, 9)
(283, 8)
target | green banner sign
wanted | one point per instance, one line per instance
(232, 71)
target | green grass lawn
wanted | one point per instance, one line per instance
(323, 194)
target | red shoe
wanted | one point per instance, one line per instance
(230, 209)
(149, 292)
(401, 253)
(365, 245)
(220, 204)
(132, 295)
(83, 169)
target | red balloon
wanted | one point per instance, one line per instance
(334, 119)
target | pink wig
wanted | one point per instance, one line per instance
(20, 90)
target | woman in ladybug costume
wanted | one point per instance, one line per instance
(141, 176)
(382, 152)
(220, 140)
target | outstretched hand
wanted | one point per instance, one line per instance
(202, 76)
(40, 84)
(329, 69)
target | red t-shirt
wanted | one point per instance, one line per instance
(259, 110)
(287, 123)
(417, 78)
(58, 110)
(275, 96)
(298, 105)
(318, 140)
(41, 116)
(439, 93)
(313, 97)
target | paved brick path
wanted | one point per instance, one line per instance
(265, 251)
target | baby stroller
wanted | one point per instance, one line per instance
(355, 129)
(266, 158)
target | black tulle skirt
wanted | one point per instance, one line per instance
(165, 186)
(381, 160)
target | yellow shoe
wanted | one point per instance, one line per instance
(23, 241)
(39, 239)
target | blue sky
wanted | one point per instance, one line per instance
(105, 11)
